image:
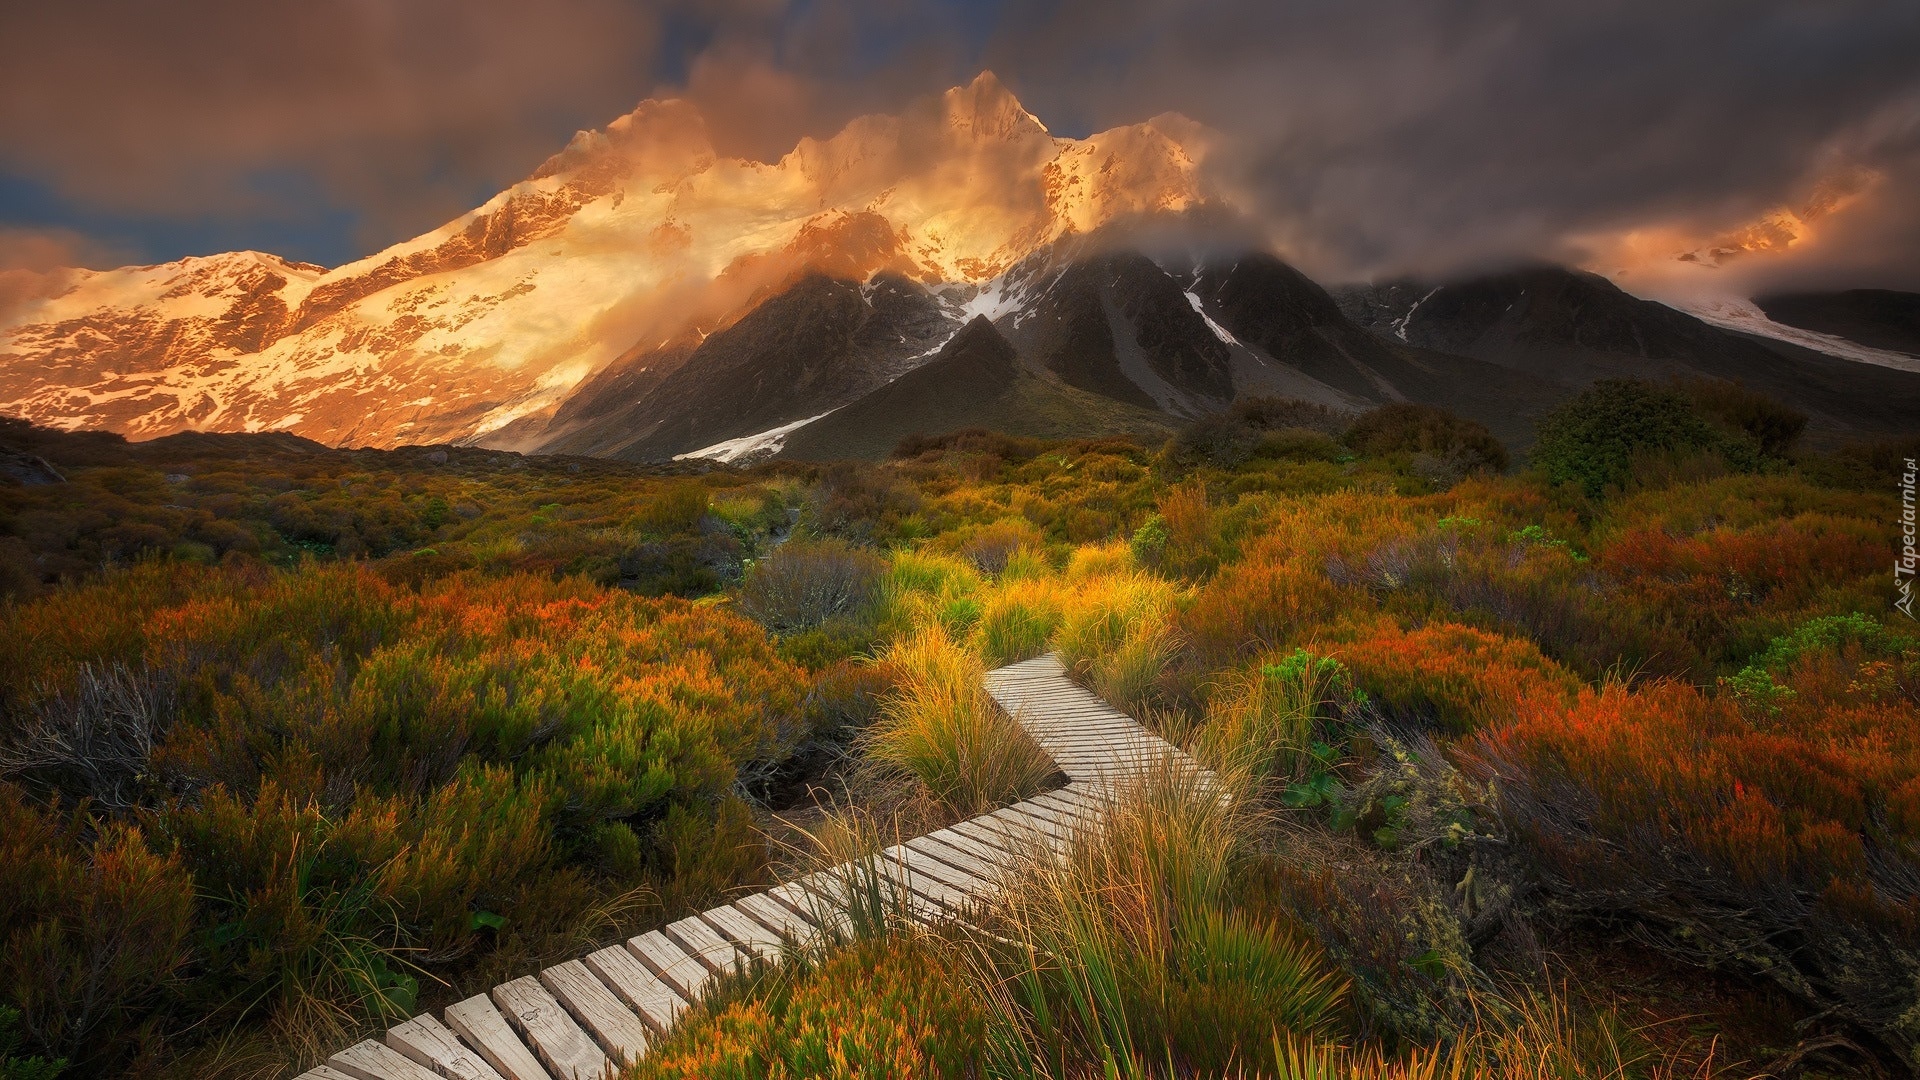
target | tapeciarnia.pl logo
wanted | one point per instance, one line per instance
(1903, 567)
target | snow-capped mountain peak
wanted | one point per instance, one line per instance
(637, 232)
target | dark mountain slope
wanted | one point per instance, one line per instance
(1571, 328)
(1876, 318)
(816, 346)
(977, 380)
(1118, 325)
(1274, 308)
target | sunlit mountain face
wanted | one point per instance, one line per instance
(629, 239)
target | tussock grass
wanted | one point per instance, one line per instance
(941, 728)
(1262, 721)
(1127, 953)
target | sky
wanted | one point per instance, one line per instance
(1368, 138)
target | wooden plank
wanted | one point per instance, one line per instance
(370, 1060)
(484, 1029)
(825, 915)
(618, 1030)
(991, 854)
(429, 1042)
(1017, 813)
(919, 862)
(920, 884)
(643, 991)
(778, 918)
(325, 1072)
(745, 930)
(568, 1052)
(675, 967)
(703, 944)
(1042, 812)
(993, 838)
(984, 872)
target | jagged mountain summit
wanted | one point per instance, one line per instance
(628, 240)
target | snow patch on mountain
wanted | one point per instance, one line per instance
(1218, 330)
(1739, 313)
(765, 444)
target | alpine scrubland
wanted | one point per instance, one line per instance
(1604, 764)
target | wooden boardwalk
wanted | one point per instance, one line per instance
(583, 1018)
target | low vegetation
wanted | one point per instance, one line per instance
(296, 741)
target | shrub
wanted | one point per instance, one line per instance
(803, 585)
(368, 769)
(1218, 440)
(941, 728)
(858, 503)
(92, 931)
(1459, 677)
(1263, 722)
(895, 1006)
(991, 547)
(1778, 847)
(1279, 414)
(1463, 446)
(677, 509)
(1017, 620)
(1594, 439)
(1772, 426)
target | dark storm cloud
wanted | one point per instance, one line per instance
(1368, 137)
(1417, 135)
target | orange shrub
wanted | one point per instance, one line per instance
(358, 776)
(1784, 848)
(1728, 588)
(1257, 605)
(1462, 677)
(885, 1008)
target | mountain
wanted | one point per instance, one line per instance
(1876, 318)
(977, 381)
(627, 241)
(1085, 337)
(1570, 328)
(957, 265)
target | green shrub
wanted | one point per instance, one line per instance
(1464, 446)
(803, 585)
(1596, 439)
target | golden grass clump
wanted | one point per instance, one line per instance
(1128, 956)
(941, 728)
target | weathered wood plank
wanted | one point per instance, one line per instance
(778, 918)
(986, 853)
(370, 1060)
(703, 944)
(919, 862)
(745, 931)
(664, 956)
(568, 1052)
(981, 871)
(325, 1072)
(429, 1042)
(481, 1025)
(617, 1028)
(643, 991)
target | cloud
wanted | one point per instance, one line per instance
(32, 262)
(1409, 135)
(1369, 139)
(397, 109)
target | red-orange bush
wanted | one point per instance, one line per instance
(1786, 848)
(1728, 588)
(1462, 677)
